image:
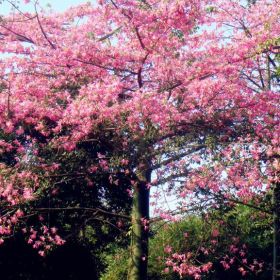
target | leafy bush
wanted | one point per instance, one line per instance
(209, 237)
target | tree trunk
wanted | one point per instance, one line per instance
(139, 233)
(276, 238)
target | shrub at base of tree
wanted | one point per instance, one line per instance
(236, 241)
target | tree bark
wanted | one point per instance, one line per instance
(276, 237)
(138, 262)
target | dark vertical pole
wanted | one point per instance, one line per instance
(139, 233)
(276, 237)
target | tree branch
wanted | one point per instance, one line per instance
(95, 210)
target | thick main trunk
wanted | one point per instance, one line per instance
(276, 241)
(139, 233)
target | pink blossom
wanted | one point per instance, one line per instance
(168, 249)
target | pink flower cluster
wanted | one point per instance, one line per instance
(43, 239)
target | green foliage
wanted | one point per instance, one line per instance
(117, 264)
(240, 224)
(179, 34)
(210, 9)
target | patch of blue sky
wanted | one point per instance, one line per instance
(55, 5)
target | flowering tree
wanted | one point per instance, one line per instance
(185, 91)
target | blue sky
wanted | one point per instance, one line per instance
(57, 5)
